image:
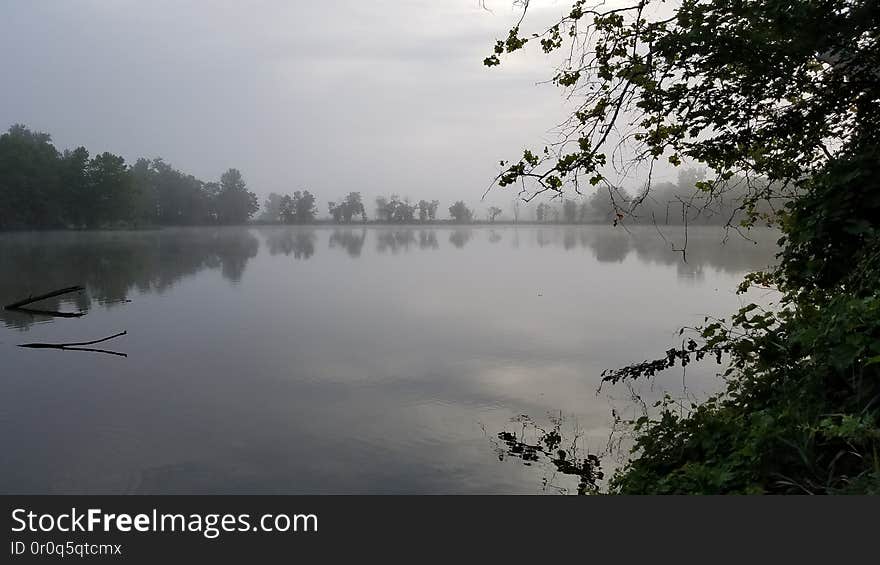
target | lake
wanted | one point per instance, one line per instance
(339, 360)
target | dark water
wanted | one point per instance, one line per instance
(323, 360)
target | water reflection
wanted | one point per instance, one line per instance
(428, 239)
(113, 264)
(298, 241)
(394, 240)
(375, 363)
(460, 237)
(553, 448)
(350, 240)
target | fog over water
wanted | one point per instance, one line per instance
(337, 359)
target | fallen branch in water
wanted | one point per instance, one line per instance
(32, 299)
(51, 313)
(75, 346)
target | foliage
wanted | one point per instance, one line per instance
(272, 208)
(394, 210)
(299, 208)
(428, 210)
(783, 95)
(234, 203)
(460, 213)
(351, 206)
(42, 188)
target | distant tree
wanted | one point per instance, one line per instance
(304, 206)
(109, 196)
(395, 210)
(29, 186)
(74, 177)
(424, 205)
(598, 208)
(40, 187)
(351, 206)
(354, 206)
(516, 206)
(460, 213)
(287, 212)
(494, 211)
(383, 213)
(428, 210)
(272, 208)
(144, 191)
(404, 212)
(336, 211)
(180, 198)
(299, 208)
(569, 211)
(541, 212)
(235, 204)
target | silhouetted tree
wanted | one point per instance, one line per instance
(235, 204)
(351, 206)
(541, 212)
(272, 208)
(394, 210)
(354, 206)
(383, 212)
(29, 187)
(74, 177)
(569, 211)
(299, 208)
(493, 212)
(428, 210)
(460, 213)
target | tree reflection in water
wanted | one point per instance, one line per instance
(112, 265)
(298, 241)
(350, 240)
(535, 445)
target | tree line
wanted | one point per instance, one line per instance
(42, 187)
(282, 208)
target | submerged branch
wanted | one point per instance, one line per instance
(75, 346)
(32, 299)
(52, 313)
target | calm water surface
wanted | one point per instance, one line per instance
(325, 360)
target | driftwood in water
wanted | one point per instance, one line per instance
(32, 299)
(52, 313)
(76, 346)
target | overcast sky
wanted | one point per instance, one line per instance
(381, 96)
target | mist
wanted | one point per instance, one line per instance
(381, 97)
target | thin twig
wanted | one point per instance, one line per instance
(69, 345)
